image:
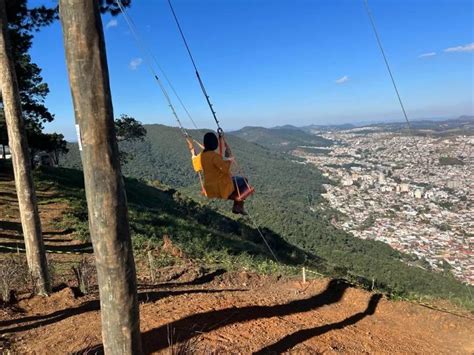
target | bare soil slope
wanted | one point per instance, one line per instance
(245, 313)
(215, 311)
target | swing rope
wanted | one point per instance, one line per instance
(263, 237)
(201, 84)
(379, 42)
(394, 84)
(222, 143)
(149, 59)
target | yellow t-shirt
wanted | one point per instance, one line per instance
(217, 175)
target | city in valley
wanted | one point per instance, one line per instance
(413, 192)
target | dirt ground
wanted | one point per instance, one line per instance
(245, 313)
(191, 309)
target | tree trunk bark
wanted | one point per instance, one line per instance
(30, 220)
(106, 199)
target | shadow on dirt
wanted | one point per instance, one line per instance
(185, 328)
(301, 336)
(85, 248)
(66, 231)
(9, 196)
(5, 177)
(201, 280)
(11, 236)
(6, 171)
(32, 322)
(12, 226)
(46, 238)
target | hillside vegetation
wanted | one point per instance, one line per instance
(200, 231)
(287, 203)
(283, 139)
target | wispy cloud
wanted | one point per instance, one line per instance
(111, 23)
(426, 55)
(343, 80)
(466, 48)
(135, 63)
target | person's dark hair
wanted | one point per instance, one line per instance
(210, 141)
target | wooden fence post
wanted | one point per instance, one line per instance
(106, 199)
(25, 189)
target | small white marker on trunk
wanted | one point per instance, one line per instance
(79, 139)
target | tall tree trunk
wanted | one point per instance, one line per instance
(30, 219)
(106, 199)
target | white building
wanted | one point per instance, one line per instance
(381, 179)
(347, 181)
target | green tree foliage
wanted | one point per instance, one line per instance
(53, 143)
(129, 130)
(112, 7)
(22, 23)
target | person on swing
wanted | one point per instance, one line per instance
(218, 180)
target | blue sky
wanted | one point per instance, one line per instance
(273, 62)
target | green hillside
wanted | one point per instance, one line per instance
(289, 204)
(202, 232)
(283, 139)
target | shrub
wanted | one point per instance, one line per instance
(85, 273)
(13, 274)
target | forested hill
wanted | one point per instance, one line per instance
(284, 138)
(288, 202)
(164, 156)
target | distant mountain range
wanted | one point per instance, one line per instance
(437, 124)
(287, 138)
(282, 138)
(279, 136)
(463, 122)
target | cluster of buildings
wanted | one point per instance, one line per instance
(415, 193)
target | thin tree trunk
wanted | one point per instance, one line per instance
(106, 199)
(30, 219)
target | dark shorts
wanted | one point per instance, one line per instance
(240, 185)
